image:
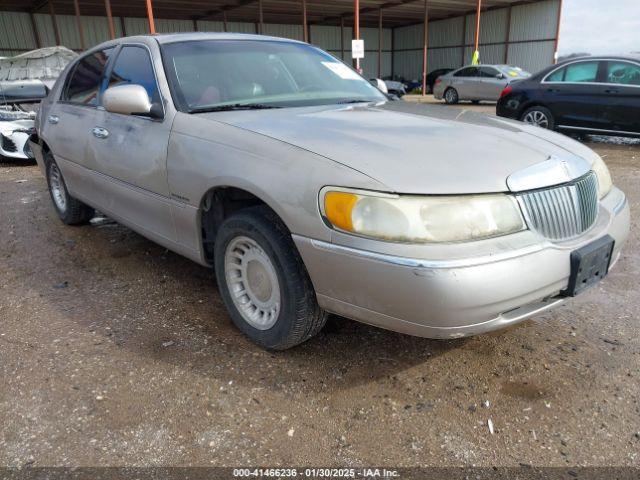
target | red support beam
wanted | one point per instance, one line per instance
(342, 38)
(477, 40)
(260, 18)
(79, 24)
(425, 46)
(464, 39)
(36, 34)
(152, 23)
(224, 21)
(305, 27)
(123, 27)
(112, 28)
(195, 25)
(54, 21)
(557, 42)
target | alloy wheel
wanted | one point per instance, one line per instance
(536, 118)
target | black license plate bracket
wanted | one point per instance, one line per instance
(589, 265)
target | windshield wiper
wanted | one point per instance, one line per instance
(233, 106)
(343, 102)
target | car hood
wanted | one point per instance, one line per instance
(413, 148)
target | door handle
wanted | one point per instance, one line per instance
(53, 119)
(100, 132)
(612, 90)
(553, 90)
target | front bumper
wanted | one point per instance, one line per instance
(450, 291)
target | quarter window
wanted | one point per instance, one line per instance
(623, 73)
(84, 83)
(488, 72)
(133, 66)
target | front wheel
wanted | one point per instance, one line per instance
(70, 210)
(263, 281)
(539, 116)
(451, 96)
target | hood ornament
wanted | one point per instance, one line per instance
(553, 171)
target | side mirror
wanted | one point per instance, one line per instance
(128, 99)
(501, 76)
(379, 84)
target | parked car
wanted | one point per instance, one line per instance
(24, 81)
(398, 89)
(585, 95)
(18, 102)
(476, 83)
(433, 76)
(317, 195)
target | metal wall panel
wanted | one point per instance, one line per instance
(285, 31)
(16, 31)
(408, 37)
(241, 27)
(535, 21)
(493, 26)
(532, 56)
(164, 25)
(408, 65)
(445, 33)
(210, 26)
(45, 29)
(444, 58)
(327, 37)
(136, 26)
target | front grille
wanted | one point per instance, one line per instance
(565, 211)
(8, 145)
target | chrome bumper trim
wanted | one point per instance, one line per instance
(421, 263)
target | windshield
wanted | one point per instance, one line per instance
(212, 74)
(514, 72)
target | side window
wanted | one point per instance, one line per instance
(133, 65)
(582, 72)
(467, 72)
(488, 72)
(84, 84)
(623, 73)
(557, 76)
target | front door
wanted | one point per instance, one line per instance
(130, 152)
(491, 83)
(576, 96)
(465, 82)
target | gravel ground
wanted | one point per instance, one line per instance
(114, 351)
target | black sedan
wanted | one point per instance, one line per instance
(583, 95)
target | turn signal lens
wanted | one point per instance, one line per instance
(338, 207)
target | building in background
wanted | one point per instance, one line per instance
(523, 33)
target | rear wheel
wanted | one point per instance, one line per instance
(451, 96)
(539, 116)
(263, 281)
(70, 210)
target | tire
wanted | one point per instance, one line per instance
(451, 96)
(70, 210)
(538, 116)
(254, 244)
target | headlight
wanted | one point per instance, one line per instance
(421, 219)
(604, 177)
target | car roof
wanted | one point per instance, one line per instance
(165, 38)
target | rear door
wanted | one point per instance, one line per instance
(66, 126)
(492, 82)
(575, 95)
(465, 82)
(622, 88)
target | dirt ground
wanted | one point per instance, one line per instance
(114, 351)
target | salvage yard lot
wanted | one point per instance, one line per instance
(114, 351)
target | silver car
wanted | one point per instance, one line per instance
(476, 83)
(309, 192)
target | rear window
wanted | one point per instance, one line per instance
(84, 84)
